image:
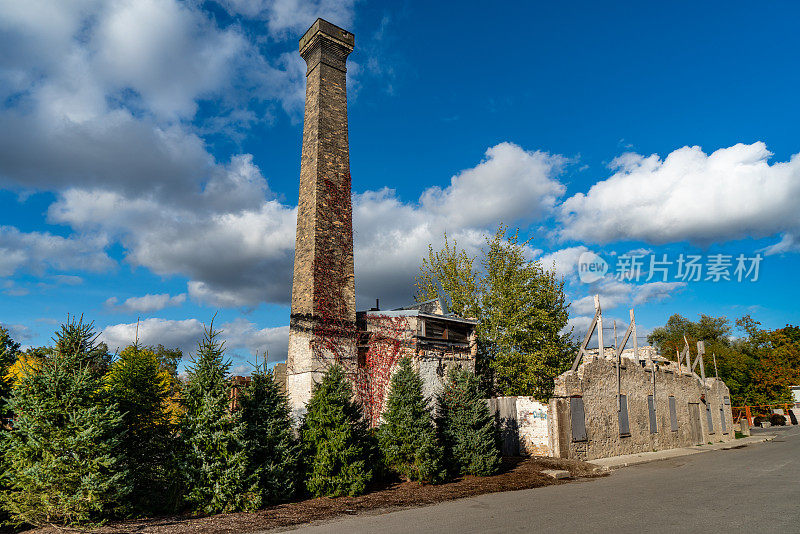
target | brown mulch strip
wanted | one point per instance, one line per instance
(517, 474)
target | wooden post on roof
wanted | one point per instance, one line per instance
(701, 350)
(716, 371)
(599, 313)
(596, 322)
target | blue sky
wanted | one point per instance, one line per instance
(149, 154)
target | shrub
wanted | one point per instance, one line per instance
(273, 453)
(62, 458)
(214, 462)
(407, 436)
(334, 440)
(466, 426)
(777, 419)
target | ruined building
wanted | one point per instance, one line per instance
(323, 329)
(436, 341)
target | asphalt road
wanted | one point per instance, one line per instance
(752, 489)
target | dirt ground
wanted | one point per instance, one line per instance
(517, 474)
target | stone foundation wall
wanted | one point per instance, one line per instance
(594, 384)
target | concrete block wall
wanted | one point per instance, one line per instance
(595, 382)
(524, 425)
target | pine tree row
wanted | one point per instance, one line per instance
(94, 439)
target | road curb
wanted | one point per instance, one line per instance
(617, 462)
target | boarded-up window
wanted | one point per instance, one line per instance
(578, 419)
(435, 329)
(624, 424)
(651, 409)
(673, 415)
(709, 419)
(722, 419)
(449, 330)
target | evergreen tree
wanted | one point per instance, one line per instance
(407, 436)
(334, 439)
(272, 451)
(78, 338)
(141, 387)
(466, 427)
(62, 457)
(8, 356)
(215, 459)
(9, 350)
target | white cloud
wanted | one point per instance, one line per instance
(146, 303)
(167, 52)
(238, 335)
(510, 183)
(102, 83)
(614, 293)
(18, 332)
(284, 16)
(564, 260)
(730, 194)
(236, 246)
(656, 291)
(40, 252)
(790, 242)
(184, 334)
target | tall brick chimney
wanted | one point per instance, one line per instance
(322, 324)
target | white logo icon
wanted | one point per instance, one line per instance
(591, 267)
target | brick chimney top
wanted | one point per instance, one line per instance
(322, 29)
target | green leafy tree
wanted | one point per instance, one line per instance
(467, 427)
(523, 340)
(62, 458)
(524, 321)
(168, 358)
(758, 367)
(214, 463)
(407, 436)
(272, 451)
(776, 355)
(336, 448)
(140, 385)
(449, 274)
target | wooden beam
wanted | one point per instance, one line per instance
(701, 350)
(595, 322)
(599, 313)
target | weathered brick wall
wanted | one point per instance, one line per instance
(595, 382)
(389, 339)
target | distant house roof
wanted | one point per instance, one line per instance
(433, 306)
